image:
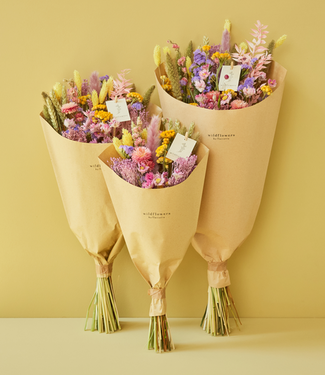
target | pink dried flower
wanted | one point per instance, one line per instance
(271, 83)
(249, 91)
(213, 95)
(69, 108)
(181, 61)
(237, 104)
(199, 85)
(141, 154)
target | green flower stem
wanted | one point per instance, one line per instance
(216, 318)
(159, 337)
(105, 315)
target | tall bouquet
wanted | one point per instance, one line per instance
(238, 126)
(77, 127)
(157, 202)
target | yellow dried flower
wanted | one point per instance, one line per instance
(117, 143)
(227, 25)
(110, 85)
(157, 55)
(280, 41)
(188, 64)
(266, 90)
(58, 90)
(135, 95)
(83, 99)
(94, 98)
(167, 134)
(160, 151)
(206, 48)
(144, 134)
(77, 80)
(243, 46)
(103, 92)
(195, 104)
(127, 139)
(166, 50)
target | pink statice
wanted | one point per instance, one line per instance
(136, 135)
(237, 104)
(72, 94)
(128, 170)
(182, 168)
(73, 132)
(69, 108)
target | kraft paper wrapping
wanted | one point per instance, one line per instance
(157, 224)
(85, 198)
(240, 143)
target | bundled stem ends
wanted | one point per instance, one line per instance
(159, 333)
(105, 315)
(220, 306)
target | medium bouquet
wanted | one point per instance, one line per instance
(157, 201)
(77, 127)
(237, 122)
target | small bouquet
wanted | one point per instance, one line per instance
(157, 203)
(240, 143)
(77, 127)
(219, 76)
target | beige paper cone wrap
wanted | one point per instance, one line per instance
(84, 194)
(240, 143)
(157, 224)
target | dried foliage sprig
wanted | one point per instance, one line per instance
(147, 96)
(173, 76)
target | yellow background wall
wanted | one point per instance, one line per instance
(44, 272)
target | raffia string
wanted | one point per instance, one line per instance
(103, 271)
(218, 275)
(217, 266)
(158, 305)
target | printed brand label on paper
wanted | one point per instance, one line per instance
(221, 137)
(118, 109)
(95, 167)
(180, 148)
(229, 78)
(156, 215)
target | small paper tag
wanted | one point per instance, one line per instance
(180, 148)
(229, 78)
(118, 109)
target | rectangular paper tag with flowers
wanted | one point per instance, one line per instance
(118, 109)
(229, 77)
(181, 147)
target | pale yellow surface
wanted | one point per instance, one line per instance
(44, 272)
(262, 347)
